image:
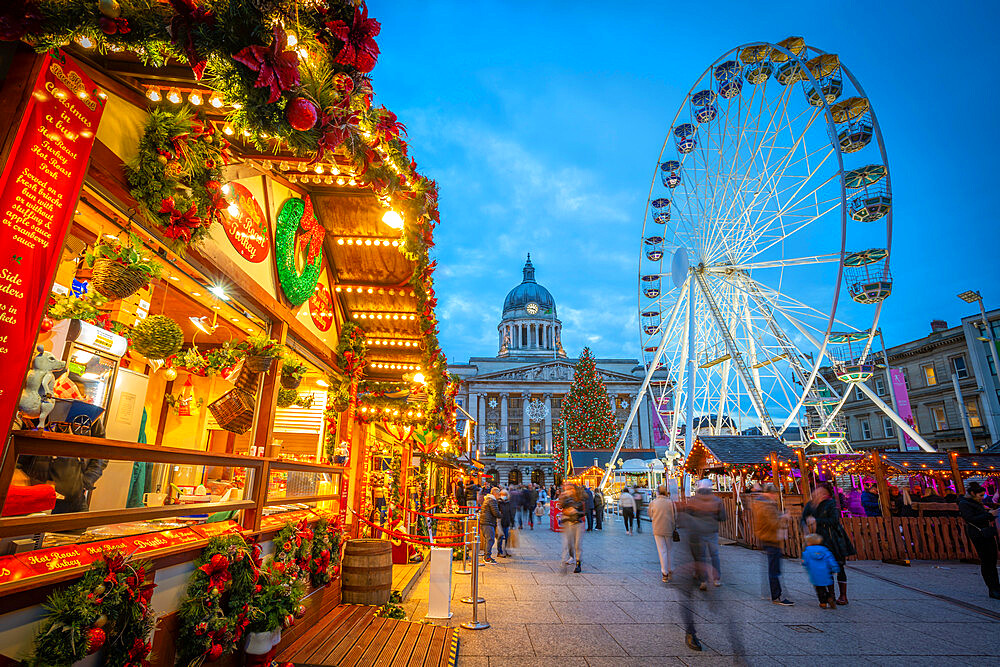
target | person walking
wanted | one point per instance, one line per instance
(489, 515)
(637, 496)
(821, 567)
(767, 520)
(663, 517)
(599, 508)
(573, 509)
(528, 505)
(822, 516)
(516, 496)
(980, 527)
(460, 495)
(626, 504)
(708, 511)
(588, 501)
(507, 512)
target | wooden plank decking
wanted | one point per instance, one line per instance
(352, 636)
(405, 577)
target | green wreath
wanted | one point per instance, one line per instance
(295, 214)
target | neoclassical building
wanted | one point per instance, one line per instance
(515, 396)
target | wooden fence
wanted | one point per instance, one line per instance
(874, 538)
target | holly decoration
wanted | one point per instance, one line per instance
(325, 552)
(586, 412)
(351, 349)
(296, 214)
(220, 602)
(176, 177)
(107, 608)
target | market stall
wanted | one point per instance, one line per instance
(219, 302)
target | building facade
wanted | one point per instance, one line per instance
(928, 365)
(515, 396)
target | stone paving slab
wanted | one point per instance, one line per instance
(618, 612)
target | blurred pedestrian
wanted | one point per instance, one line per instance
(516, 498)
(821, 567)
(588, 501)
(981, 528)
(707, 509)
(460, 495)
(663, 517)
(638, 497)
(599, 508)
(530, 500)
(507, 512)
(822, 516)
(626, 504)
(489, 516)
(768, 521)
(573, 509)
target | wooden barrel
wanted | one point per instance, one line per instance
(366, 572)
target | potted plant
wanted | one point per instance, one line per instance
(286, 397)
(260, 352)
(121, 270)
(278, 603)
(292, 372)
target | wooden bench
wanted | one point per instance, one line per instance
(352, 636)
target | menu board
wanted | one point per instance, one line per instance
(39, 187)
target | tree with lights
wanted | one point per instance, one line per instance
(586, 412)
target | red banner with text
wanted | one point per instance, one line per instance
(39, 188)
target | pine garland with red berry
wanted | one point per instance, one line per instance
(223, 599)
(325, 562)
(108, 608)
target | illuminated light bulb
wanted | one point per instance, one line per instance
(195, 98)
(236, 105)
(340, 241)
(245, 132)
(101, 94)
(350, 241)
(83, 95)
(319, 169)
(395, 244)
(174, 96)
(368, 241)
(340, 181)
(334, 171)
(370, 290)
(85, 42)
(395, 317)
(215, 100)
(303, 54)
(328, 180)
(350, 289)
(233, 210)
(283, 166)
(392, 292)
(393, 219)
(265, 135)
(292, 39)
(380, 315)
(227, 189)
(352, 182)
(228, 129)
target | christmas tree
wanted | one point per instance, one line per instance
(586, 412)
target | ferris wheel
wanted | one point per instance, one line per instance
(765, 249)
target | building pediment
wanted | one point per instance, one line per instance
(553, 371)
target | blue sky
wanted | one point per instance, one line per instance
(542, 121)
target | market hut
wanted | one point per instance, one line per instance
(220, 245)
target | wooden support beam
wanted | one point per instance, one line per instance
(956, 474)
(883, 486)
(805, 473)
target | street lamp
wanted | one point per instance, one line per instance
(972, 296)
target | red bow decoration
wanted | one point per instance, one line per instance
(217, 569)
(335, 130)
(181, 224)
(387, 126)
(314, 232)
(276, 68)
(182, 27)
(359, 49)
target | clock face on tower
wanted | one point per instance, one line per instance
(532, 308)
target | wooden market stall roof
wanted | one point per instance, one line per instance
(729, 452)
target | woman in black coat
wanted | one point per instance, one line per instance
(508, 514)
(822, 516)
(980, 526)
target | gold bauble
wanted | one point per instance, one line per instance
(170, 374)
(109, 8)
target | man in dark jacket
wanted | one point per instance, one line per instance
(599, 508)
(589, 506)
(73, 478)
(507, 513)
(869, 501)
(530, 500)
(460, 494)
(980, 526)
(489, 515)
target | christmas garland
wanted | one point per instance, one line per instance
(223, 598)
(325, 560)
(108, 607)
(351, 350)
(177, 175)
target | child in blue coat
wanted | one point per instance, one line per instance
(822, 568)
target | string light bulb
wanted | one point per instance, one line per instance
(174, 96)
(393, 219)
(292, 39)
(233, 210)
(195, 98)
(153, 93)
(215, 100)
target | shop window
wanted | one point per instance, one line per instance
(858, 394)
(866, 429)
(930, 377)
(959, 367)
(888, 427)
(514, 438)
(972, 410)
(940, 417)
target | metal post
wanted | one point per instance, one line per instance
(689, 399)
(475, 600)
(473, 597)
(963, 415)
(989, 335)
(465, 548)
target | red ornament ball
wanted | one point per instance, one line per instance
(301, 114)
(300, 611)
(95, 639)
(47, 324)
(215, 652)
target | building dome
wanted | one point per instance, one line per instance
(529, 292)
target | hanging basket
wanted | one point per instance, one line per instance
(259, 364)
(234, 411)
(116, 280)
(289, 381)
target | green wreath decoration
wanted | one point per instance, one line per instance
(108, 607)
(325, 561)
(296, 213)
(223, 599)
(176, 177)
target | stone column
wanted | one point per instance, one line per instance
(525, 422)
(502, 440)
(548, 424)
